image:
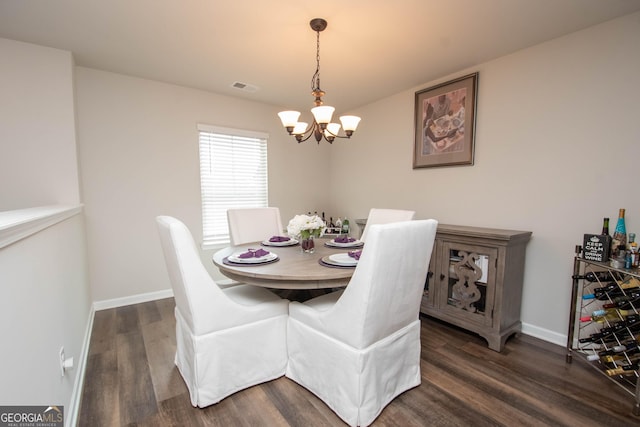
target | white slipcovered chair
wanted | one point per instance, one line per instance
(359, 348)
(248, 225)
(385, 216)
(227, 339)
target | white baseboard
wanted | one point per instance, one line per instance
(544, 334)
(78, 384)
(133, 299)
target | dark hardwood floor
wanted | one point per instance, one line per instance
(131, 381)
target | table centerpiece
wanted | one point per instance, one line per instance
(306, 228)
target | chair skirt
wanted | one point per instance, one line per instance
(356, 384)
(220, 363)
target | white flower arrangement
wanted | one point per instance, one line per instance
(304, 226)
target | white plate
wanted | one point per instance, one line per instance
(289, 242)
(343, 259)
(265, 258)
(344, 245)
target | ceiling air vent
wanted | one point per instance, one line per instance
(246, 87)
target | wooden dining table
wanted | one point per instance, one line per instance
(292, 270)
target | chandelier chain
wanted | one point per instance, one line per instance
(315, 80)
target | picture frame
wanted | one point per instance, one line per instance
(445, 119)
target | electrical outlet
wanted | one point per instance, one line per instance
(61, 359)
(64, 362)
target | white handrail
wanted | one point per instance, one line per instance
(19, 224)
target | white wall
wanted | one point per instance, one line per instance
(557, 149)
(138, 150)
(45, 306)
(37, 127)
(45, 300)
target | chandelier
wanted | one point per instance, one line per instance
(321, 126)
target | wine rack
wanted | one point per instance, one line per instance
(614, 351)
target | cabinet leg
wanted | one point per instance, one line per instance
(496, 341)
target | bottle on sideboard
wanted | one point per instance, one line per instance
(345, 226)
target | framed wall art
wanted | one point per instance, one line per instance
(445, 117)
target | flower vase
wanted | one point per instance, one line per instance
(307, 244)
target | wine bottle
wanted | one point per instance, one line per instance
(620, 233)
(628, 347)
(607, 314)
(622, 370)
(599, 276)
(604, 293)
(630, 321)
(612, 338)
(635, 255)
(617, 358)
(605, 227)
(624, 302)
(608, 292)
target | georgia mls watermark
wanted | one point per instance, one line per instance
(31, 416)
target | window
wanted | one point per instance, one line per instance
(233, 174)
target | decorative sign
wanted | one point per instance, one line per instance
(596, 247)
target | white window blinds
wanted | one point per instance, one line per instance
(233, 174)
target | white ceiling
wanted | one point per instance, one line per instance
(371, 48)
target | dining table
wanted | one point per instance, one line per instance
(292, 268)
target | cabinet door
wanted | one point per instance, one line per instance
(467, 278)
(430, 289)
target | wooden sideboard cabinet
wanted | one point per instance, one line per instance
(475, 280)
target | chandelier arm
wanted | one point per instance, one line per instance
(306, 135)
(336, 135)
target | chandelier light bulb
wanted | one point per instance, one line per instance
(349, 123)
(323, 114)
(300, 128)
(289, 118)
(332, 130)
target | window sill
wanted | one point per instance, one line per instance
(18, 224)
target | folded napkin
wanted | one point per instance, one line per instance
(344, 239)
(355, 254)
(279, 239)
(252, 253)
